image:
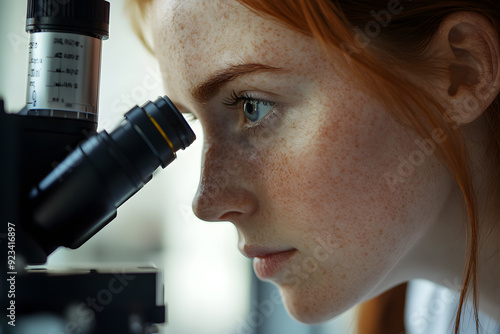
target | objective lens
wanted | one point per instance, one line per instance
(80, 196)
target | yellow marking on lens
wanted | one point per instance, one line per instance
(160, 130)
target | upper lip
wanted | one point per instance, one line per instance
(259, 251)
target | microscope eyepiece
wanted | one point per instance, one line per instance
(172, 132)
(173, 123)
(81, 195)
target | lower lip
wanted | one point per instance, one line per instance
(269, 266)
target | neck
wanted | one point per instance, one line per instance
(440, 255)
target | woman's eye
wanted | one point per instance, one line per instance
(255, 110)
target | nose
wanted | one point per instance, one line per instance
(223, 193)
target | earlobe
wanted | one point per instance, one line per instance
(472, 49)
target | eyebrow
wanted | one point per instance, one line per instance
(210, 87)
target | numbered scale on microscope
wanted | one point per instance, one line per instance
(61, 73)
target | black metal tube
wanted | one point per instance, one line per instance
(81, 195)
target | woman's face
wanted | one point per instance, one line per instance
(323, 185)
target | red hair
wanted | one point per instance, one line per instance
(382, 64)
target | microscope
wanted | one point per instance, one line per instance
(50, 198)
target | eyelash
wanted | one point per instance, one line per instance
(235, 100)
(190, 117)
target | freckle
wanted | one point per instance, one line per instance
(343, 276)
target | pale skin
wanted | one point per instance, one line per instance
(308, 173)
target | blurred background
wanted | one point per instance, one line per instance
(209, 286)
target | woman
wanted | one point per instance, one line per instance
(354, 144)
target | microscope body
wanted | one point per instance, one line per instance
(30, 148)
(61, 182)
(83, 300)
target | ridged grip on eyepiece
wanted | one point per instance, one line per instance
(89, 17)
(174, 124)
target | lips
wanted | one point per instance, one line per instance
(268, 262)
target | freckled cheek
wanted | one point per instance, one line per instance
(229, 162)
(336, 186)
(334, 191)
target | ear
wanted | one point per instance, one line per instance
(469, 44)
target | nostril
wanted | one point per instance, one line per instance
(230, 216)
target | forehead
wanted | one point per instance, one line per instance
(196, 38)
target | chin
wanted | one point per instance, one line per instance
(307, 308)
(308, 315)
